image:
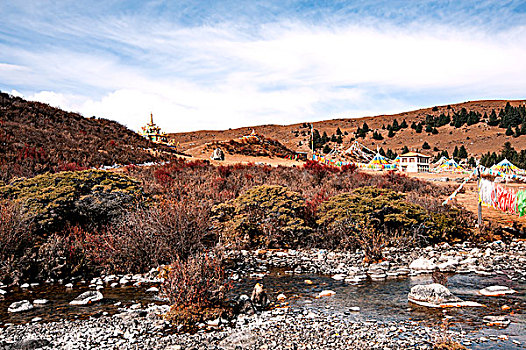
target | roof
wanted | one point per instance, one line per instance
(414, 154)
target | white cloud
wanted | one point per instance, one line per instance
(221, 77)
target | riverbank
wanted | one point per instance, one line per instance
(369, 309)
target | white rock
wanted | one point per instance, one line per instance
(40, 301)
(281, 297)
(354, 308)
(152, 290)
(20, 306)
(87, 298)
(69, 285)
(499, 321)
(25, 285)
(114, 284)
(36, 319)
(2, 292)
(436, 295)
(495, 291)
(326, 293)
(422, 265)
(339, 277)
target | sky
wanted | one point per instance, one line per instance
(226, 64)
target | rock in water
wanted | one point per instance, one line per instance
(499, 321)
(326, 293)
(20, 306)
(259, 297)
(244, 306)
(495, 291)
(436, 295)
(422, 265)
(87, 298)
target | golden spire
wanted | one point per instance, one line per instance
(151, 118)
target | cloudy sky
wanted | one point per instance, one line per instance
(219, 64)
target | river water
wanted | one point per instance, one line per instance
(378, 300)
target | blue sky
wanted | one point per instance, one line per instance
(221, 64)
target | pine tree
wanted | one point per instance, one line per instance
(509, 131)
(395, 126)
(493, 120)
(391, 133)
(455, 152)
(405, 150)
(429, 128)
(365, 127)
(403, 125)
(517, 132)
(462, 153)
(326, 149)
(338, 131)
(418, 128)
(381, 151)
(434, 131)
(426, 146)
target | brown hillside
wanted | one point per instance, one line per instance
(478, 139)
(36, 138)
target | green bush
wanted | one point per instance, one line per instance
(91, 196)
(264, 216)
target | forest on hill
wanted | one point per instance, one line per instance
(36, 138)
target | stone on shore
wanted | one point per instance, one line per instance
(422, 265)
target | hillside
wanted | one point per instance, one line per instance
(35, 138)
(478, 138)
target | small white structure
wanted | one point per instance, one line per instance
(413, 162)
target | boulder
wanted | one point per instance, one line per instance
(259, 297)
(495, 291)
(422, 265)
(20, 306)
(40, 301)
(436, 295)
(244, 306)
(87, 298)
(326, 293)
(498, 321)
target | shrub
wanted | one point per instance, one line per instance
(15, 241)
(89, 196)
(264, 216)
(147, 237)
(196, 289)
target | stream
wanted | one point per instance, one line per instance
(378, 300)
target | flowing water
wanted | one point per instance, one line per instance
(378, 300)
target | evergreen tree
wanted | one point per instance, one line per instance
(381, 151)
(377, 136)
(523, 128)
(429, 128)
(325, 138)
(517, 132)
(509, 131)
(326, 149)
(455, 152)
(471, 162)
(405, 150)
(493, 120)
(339, 139)
(391, 133)
(462, 153)
(403, 125)
(413, 125)
(418, 129)
(426, 146)
(395, 126)
(338, 131)
(365, 127)
(434, 131)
